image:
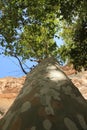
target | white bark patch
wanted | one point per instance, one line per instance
(56, 75)
(49, 110)
(70, 124)
(26, 106)
(46, 95)
(26, 91)
(46, 101)
(47, 124)
(82, 121)
(33, 128)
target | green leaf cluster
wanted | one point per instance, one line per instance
(27, 29)
(75, 42)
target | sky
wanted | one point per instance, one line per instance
(9, 66)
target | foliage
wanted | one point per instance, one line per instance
(79, 53)
(75, 47)
(74, 33)
(27, 29)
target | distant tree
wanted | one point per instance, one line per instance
(74, 34)
(75, 44)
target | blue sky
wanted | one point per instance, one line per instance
(9, 66)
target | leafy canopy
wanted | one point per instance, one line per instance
(27, 28)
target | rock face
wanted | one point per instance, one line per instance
(11, 85)
(9, 89)
(47, 101)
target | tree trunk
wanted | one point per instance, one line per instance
(47, 101)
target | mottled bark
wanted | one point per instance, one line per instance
(47, 101)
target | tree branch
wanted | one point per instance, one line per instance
(14, 55)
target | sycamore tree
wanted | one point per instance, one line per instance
(28, 28)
